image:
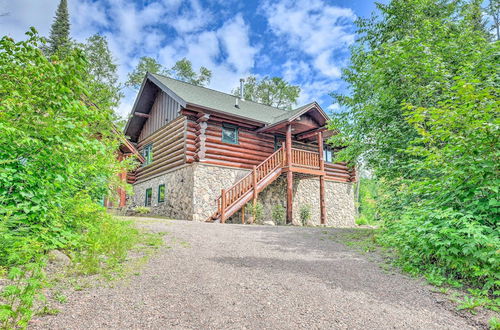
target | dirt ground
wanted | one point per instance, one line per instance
(213, 276)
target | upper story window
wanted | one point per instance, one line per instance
(230, 133)
(147, 153)
(327, 154)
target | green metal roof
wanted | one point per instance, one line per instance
(223, 102)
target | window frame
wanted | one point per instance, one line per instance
(327, 149)
(236, 131)
(150, 199)
(164, 193)
(147, 153)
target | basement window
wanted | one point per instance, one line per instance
(147, 153)
(149, 197)
(161, 193)
(230, 133)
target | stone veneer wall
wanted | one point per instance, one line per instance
(191, 192)
(209, 180)
(178, 193)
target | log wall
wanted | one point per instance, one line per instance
(169, 144)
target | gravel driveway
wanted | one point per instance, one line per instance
(256, 277)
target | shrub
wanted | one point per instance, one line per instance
(142, 210)
(257, 212)
(305, 214)
(278, 214)
(57, 160)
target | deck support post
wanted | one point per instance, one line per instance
(322, 205)
(254, 184)
(243, 215)
(223, 206)
(289, 175)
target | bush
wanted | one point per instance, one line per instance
(305, 214)
(278, 214)
(142, 210)
(57, 160)
(257, 211)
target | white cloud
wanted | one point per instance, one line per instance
(314, 27)
(234, 36)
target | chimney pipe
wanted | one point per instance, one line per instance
(241, 88)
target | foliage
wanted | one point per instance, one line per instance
(142, 209)
(305, 214)
(274, 92)
(59, 39)
(494, 323)
(257, 211)
(182, 70)
(146, 64)
(423, 115)
(57, 155)
(368, 196)
(278, 214)
(102, 72)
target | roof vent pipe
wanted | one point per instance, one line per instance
(241, 88)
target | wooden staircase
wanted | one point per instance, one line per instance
(262, 175)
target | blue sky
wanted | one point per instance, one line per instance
(304, 41)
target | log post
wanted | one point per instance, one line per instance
(289, 175)
(322, 205)
(223, 206)
(243, 215)
(254, 185)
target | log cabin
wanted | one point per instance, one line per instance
(208, 154)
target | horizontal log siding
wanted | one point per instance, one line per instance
(164, 110)
(169, 148)
(252, 149)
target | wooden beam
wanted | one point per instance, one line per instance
(141, 114)
(322, 206)
(243, 215)
(310, 134)
(289, 175)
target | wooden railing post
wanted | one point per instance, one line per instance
(254, 185)
(223, 206)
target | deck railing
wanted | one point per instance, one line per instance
(305, 158)
(250, 181)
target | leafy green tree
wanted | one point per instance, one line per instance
(182, 70)
(102, 71)
(274, 92)
(423, 114)
(59, 39)
(146, 64)
(493, 11)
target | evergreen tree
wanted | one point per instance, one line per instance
(59, 31)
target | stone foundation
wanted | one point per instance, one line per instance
(191, 193)
(178, 202)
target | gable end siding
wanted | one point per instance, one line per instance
(164, 110)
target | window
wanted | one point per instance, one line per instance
(161, 193)
(278, 142)
(147, 153)
(230, 134)
(149, 196)
(327, 154)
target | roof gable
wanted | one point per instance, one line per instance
(200, 97)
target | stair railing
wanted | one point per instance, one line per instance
(249, 181)
(305, 158)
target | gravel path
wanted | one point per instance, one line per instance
(256, 277)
